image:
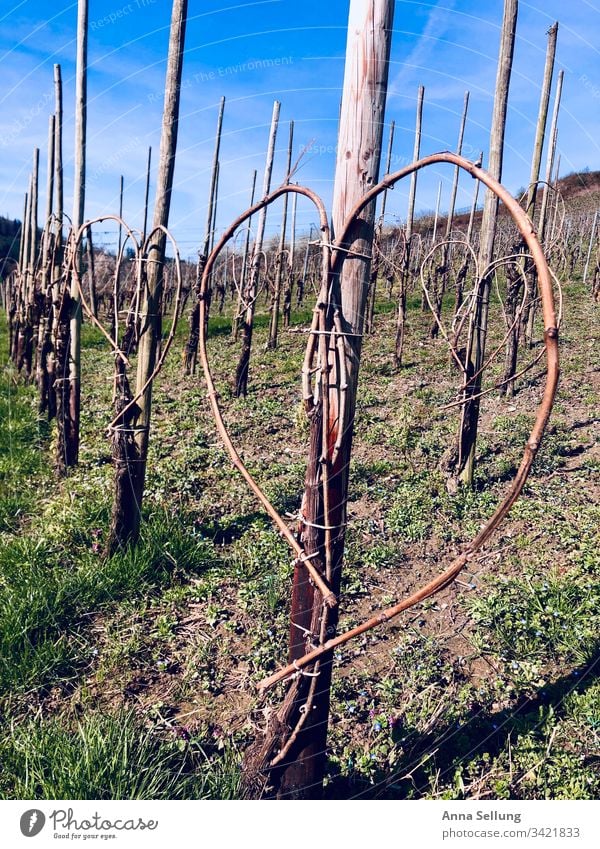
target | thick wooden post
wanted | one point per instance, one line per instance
(304, 715)
(131, 436)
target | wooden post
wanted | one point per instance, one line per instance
(70, 377)
(528, 321)
(49, 196)
(476, 346)
(192, 344)
(131, 435)
(540, 131)
(235, 324)
(437, 213)
(515, 276)
(274, 323)
(454, 190)
(401, 321)
(44, 343)
(241, 374)
(550, 157)
(147, 195)
(30, 315)
(33, 220)
(377, 243)
(305, 711)
(289, 280)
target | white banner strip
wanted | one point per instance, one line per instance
(351, 824)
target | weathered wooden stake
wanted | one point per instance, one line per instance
(191, 353)
(251, 290)
(475, 353)
(131, 435)
(69, 378)
(401, 321)
(274, 323)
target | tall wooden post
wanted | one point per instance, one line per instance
(401, 320)
(235, 324)
(515, 275)
(241, 374)
(540, 130)
(477, 343)
(131, 436)
(276, 300)
(70, 377)
(375, 264)
(299, 772)
(192, 345)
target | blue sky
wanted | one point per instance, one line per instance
(256, 52)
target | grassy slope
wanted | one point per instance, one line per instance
(489, 689)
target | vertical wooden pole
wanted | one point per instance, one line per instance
(550, 156)
(33, 221)
(477, 343)
(192, 344)
(30, 322)
(404, 276)
(453, 192)
(131, 437)
(45, 296)
(540, 131)
(70, 386)
(542, 222)
(274, 323)
(241, 374)
(147, 195)
(306, 707)
(515, 276)
(49, 195)
(235, 324)
(378, 237)
(289, 274)
(58, 184)
(437, 213)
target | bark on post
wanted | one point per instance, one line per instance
(251, 290)
(306, 707)
(401, 321)
(475, 353)
(131, 435)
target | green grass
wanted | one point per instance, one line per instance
(109, 757)
(48, 594)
